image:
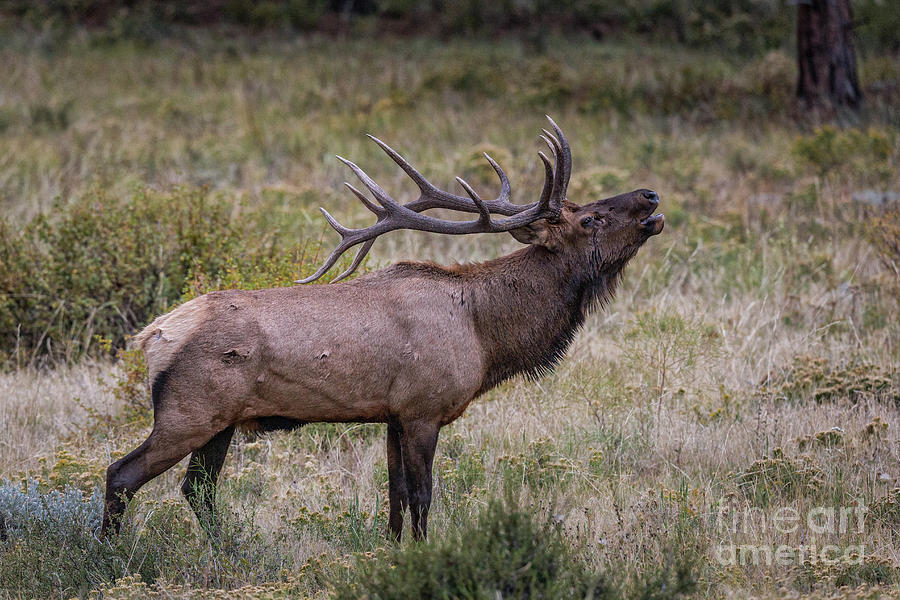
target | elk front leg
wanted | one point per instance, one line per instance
(418, 443)
(397, 496)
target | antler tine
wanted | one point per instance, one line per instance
(483, 215)
(552, 141)
(562, 154)
(386, 201)
(565, 155)
(411, 171)
(344, 231)
(433, 197)
(357, 260)
(366, 202)
(549, 145)
(505, 189)
(548, 181)
(335, 254)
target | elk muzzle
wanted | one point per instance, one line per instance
(647, 202)
(653, 224)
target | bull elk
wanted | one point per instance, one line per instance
(410, 345)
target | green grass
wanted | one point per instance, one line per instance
(133, 177)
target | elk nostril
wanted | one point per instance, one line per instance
(652, 196)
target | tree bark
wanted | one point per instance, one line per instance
(825, 54)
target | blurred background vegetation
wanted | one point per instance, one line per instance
(737, 25)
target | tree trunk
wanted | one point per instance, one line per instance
(825, 55)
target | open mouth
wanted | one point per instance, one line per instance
(653, 224)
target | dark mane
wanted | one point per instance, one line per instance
(558, 296)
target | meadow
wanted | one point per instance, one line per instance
(744, 375)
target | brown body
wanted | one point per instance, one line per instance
(410, 345)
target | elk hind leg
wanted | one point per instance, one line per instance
(199, 486)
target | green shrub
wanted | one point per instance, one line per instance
(664, 347)
(779, 477)
(503, 553)
(849, 572)
(299, 14)
(44, 117)
(100, 268)
(539, 466)
(822, 380)
(347, 527)
(468, 75)
(879, 25)
(104, 266)
(886, 510)
(863, 151)
(7, 117)
(884, 233)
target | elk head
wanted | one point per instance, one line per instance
(606, 232)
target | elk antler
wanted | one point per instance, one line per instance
(392, 215)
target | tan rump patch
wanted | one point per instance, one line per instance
(166, 335)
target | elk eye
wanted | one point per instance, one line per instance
(587, 221)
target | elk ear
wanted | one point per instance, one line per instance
(538, 234)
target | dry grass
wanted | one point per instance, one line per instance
(764, 260)
(39, 410)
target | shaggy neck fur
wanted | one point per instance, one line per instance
(528, 306)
